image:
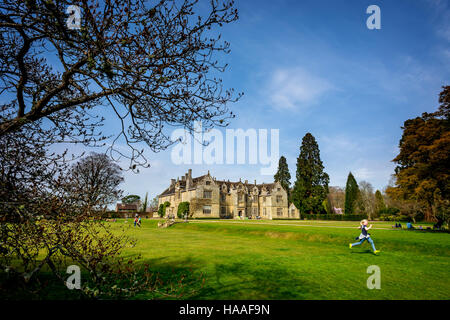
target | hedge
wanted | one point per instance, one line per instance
(336, 217)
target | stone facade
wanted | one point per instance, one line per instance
(213, 198)
(294, 213)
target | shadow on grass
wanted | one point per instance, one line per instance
(230, 281)
(241, 281)
(183, 275)
(363, 252)
(175, 280)
(45, 287)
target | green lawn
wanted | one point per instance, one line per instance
(296, 259)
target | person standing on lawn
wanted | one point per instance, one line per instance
(365, 235)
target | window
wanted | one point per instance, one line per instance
(224, 210)
(293, 212)
(279, 212)
(208, 183)
(278, 189)
(264, 211)
(206, 209)
(240, 197)
(223, 196)
(264, 199)
(255, 211)
(279, 198)
(207, 194)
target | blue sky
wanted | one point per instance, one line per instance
(314, 66)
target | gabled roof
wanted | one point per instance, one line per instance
(127, 206)
(195, 182)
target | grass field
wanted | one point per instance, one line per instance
(296, 259)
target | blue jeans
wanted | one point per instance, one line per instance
(364, 239)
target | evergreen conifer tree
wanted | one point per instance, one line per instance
(283, 175)
(311, 185)
(352, 194)
(379, 202)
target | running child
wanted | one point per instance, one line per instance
(365, 235)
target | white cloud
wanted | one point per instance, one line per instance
(363, 173)
(442, 11)
(339, 144)
(295, 88)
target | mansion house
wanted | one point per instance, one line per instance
(209, 197)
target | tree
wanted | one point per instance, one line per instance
(441, 208)
(145, 203)
(162, 208)
(367, 198)
(42, 226)
(422, 169)
(132, 198)
(336, 197)
(327, 206)
(311, 185)
(283, 176)
(95, 180)
(26, 170)
(154, 203)
(352, 195)
(183, 209)
(379, 202)
(147, 64)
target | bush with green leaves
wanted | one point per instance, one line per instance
(389, 211)
(183, 208)
(335, 217)
(162, 208)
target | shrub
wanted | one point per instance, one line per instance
(335, 217)
(183, 208)
(115, 215)
(162, 208)
(390, 211)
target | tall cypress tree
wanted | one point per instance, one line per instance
(283, 176)
(379, 202)
(311, 185)
(351, 194)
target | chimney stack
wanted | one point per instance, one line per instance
(188, 179)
